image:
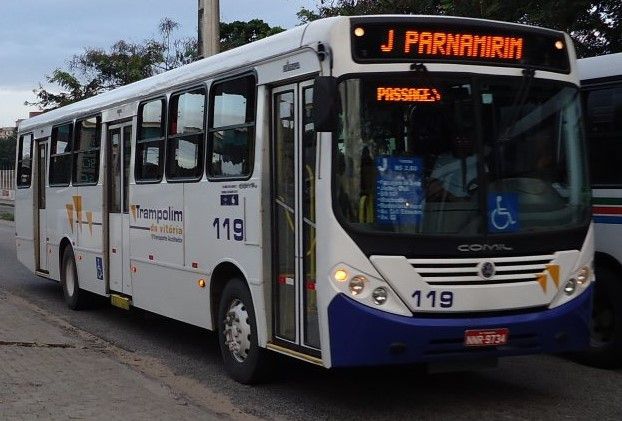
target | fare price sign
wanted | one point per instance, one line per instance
(457, 41)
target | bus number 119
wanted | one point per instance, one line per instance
(444, 299)
(227, 225)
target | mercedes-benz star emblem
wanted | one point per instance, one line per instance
(487, 270)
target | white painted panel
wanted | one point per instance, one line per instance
(115, 252)
(171, 292)
(43, 243)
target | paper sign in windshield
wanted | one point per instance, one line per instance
(399, 192)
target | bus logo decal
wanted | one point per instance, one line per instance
(487, 270)
(229, 200)
(290, 67)
(100, 268)
(170, 214)
(552, 270)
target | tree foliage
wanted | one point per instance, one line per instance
(238, 33)
(97, 70)
(595, 26)
(7, 153)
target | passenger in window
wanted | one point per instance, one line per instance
(455, 172)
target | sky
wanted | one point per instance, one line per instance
(38, 36)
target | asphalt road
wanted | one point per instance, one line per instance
(534, 387)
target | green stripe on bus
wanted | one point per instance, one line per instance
(606, 201)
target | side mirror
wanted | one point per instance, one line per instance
(325, 104)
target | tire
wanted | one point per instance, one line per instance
(244, 360)
(75, 298)
(605, 349)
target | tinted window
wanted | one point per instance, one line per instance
(150, 141)
(232, 128)
(186, 134)
(152, 119)
(24, 161)
(86, 151)
(604, 133)
(60, 157)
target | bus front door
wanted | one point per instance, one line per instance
(119, 153)
(42, 238)
(293, 214)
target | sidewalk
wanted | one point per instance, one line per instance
(50, 371)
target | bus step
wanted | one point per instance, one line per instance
(120, 301)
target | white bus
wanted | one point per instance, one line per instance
(601, 80)
(356, 191)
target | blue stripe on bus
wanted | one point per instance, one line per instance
(607, 219)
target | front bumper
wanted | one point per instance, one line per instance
(363, 336)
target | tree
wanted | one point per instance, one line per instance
(97, 70)
(239, 33)
(7, 152)
(595, 26)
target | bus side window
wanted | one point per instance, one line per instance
(604, 133)
(60, 155)
(150, 141)
(24, 161)
(86, 151)
(232, 128)
(185, 136)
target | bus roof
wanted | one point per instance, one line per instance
(237, 58)
(600, 67)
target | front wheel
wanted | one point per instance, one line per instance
(605, 349)
(244, 360)
(75, 298)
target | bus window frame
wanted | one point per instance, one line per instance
(201, 164)
(162, 140)
(211, 130)
(20, 159)
(587, 87)
(75, 152)
(53, 140)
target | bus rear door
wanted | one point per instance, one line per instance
(119, 153)
(41, 215)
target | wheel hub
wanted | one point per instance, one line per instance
(237, 330)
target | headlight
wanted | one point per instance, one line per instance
(357, 284)
(340, 275)
(583, 276)
(570, 286)
(379, 295)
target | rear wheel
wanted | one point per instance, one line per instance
(606, 328)
(75, 298)
(244, 360)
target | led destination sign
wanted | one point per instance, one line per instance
(456, 41)
(456, 45)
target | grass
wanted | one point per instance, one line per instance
(7, 216)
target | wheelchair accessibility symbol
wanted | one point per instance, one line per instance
(503, 212)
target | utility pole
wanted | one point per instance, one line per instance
(209, 27)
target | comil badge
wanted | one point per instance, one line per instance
(487, 270)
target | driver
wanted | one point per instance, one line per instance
(454, 171)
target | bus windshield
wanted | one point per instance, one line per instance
(442, 154)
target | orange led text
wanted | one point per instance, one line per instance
(457, 45)
(386, 94)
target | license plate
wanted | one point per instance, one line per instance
(486, 337)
